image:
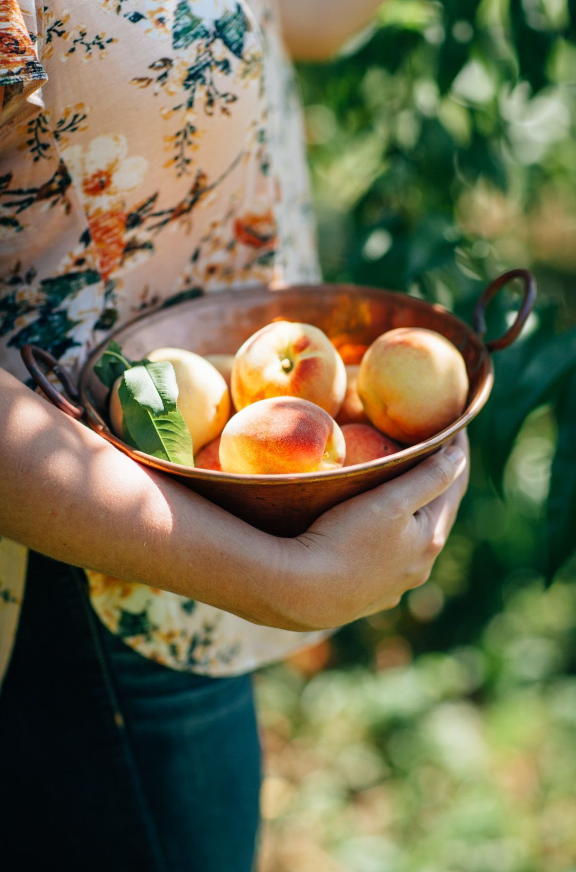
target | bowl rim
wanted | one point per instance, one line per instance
(412, 452)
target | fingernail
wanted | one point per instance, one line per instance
(455, 454)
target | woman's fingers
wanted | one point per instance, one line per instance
(436, 519)
(461, 440)
(374, 547)
(418, 487)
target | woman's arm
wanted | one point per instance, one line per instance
(67, 493)
(315, 29)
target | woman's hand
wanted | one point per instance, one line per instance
(361, 556)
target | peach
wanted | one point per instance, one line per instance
(281, 435)
(364, 442)
(208, 457)
(289, 359)
(117, 425)
(203, 396)
(223, 363)
(352, 411)
(413, 383)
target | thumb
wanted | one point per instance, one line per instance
(426, 481)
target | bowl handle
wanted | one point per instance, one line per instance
(30, 354)
(513, 333)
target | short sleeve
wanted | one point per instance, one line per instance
(21, 72)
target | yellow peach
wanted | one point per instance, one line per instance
(289, 359)
(413, 383)
(281, 435)
(223, 363)
(203, 397)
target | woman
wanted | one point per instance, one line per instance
(152, 150)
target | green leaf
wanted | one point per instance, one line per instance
(125, 433)
(561, 509)
(534, 386)
(111, 365)
(148, 394)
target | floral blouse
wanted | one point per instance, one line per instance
(150, 150)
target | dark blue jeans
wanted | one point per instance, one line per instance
(112, 763)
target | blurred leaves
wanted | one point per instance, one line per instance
(562, 497)
(528, 385)
(459, 761)
(436, 102)
(443, 152)
(441, 738)
(534, 35)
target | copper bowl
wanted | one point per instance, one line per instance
(286, 505)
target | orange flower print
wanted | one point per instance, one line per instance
(104, 175)
(101, 585)
(107, 231)
(97, 183)
(256, 228)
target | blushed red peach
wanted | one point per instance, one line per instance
(209, 457)
(289, 359)
(364, 443)
(413, 383)
(352, 411)
(281, 435)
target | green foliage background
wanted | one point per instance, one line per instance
(443, 151)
